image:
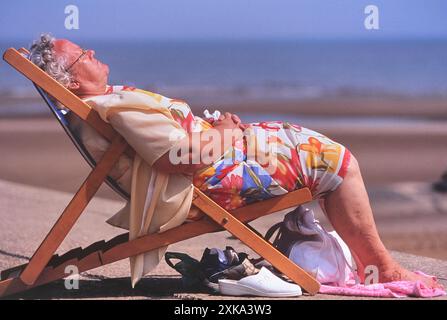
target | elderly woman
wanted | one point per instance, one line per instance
(304, 158)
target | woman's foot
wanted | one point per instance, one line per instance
(398, 273)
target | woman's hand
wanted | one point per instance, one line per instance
(229, 129)
(237, 120)
(229, 121)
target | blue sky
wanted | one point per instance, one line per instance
(228, 19)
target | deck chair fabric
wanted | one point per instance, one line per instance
(45, 267)
(95, 146)
(74, 135)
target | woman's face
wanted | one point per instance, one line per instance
(90, 76)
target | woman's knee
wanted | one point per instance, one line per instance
(353, 166)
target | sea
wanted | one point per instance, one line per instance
(212, 72)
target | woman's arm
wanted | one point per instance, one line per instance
(228, 124)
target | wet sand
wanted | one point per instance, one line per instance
(37, 152)
(330, 107)
(423, 107)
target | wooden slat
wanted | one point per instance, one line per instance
(56, 90)
(265, 207)
(245, 214)
(11, 272)
(122, 238)
(97, 246)
(190, 230)
(257, 243)
(22, 50)
(36, 269)
(73, 253)
(60, 93)
(119, 248)
(73, 211)
(52, 261)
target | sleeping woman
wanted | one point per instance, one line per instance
(287, 157)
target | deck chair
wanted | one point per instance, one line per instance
(45, 266)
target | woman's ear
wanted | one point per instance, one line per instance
(74, 85)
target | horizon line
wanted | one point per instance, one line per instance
(215, 39)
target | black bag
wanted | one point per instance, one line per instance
(193, 275)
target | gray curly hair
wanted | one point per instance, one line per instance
(42, 55)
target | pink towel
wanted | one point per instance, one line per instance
(395, 289)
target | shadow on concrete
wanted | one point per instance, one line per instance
(151, 288)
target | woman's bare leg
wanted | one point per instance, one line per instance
(350, 214)
(359, 265)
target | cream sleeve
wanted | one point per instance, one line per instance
(151, 134)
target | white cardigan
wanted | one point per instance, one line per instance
(159, 201)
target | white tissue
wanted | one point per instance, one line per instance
(215, 115)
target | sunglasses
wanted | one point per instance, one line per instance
(84, 51)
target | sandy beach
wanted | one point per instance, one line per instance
(409, 145)
(36, 152)
(400, 160)
(374, 106)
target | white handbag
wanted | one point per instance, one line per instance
(321, 253)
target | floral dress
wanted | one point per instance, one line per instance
(287, 157)
(296, 157)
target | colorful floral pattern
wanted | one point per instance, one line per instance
(272, 159)
(300, 158)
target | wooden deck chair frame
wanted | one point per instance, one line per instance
(45, 266)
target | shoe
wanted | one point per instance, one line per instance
(262, 284)
(193, 276)
(215, 260)
(237, 272)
